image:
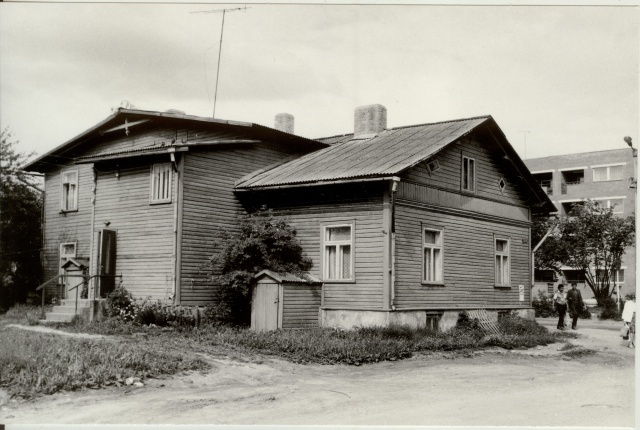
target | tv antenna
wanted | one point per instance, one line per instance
(525, 132)
(223, 12)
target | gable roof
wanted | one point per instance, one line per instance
(130, 118)
(386, 154)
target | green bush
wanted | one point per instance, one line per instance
(264, 241)
(163, 315)
(543, 305)
(609, 310)
(121, 305)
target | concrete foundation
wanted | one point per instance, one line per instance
(527, 314)
(96, 309)
(350, 319)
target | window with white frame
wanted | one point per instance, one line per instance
(616, 203)
(161, 183)
(468, 174)
(69, 190)
(432, 255)
(503, 261)
(616, 276)
(67, 251)
(607, 173)
(338, 252)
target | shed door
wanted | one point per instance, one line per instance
(265, 307)
(107, 261)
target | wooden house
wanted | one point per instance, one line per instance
(145, 196)
(410, 225)
(407, 225)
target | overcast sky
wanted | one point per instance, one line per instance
(566, 78)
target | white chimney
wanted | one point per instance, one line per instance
(369, 120)
(284, 122)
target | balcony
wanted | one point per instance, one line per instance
(545, 180)
(571, 179)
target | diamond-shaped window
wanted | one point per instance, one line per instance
(502, 184)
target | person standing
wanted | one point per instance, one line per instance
(574, 301)
(560, 302)
(629, 317)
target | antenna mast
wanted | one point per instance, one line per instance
(224, 11)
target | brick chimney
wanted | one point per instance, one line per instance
(284, 122)
(369, 120)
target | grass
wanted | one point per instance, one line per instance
(36, 363)
(24, 314)
(332, 346)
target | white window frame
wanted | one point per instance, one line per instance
(616, 276)
(608, 175)
(339, 244)
(606, 202)
(438, 266)
(502, 256)
(152, 188)
(63, 258)
(466, 162)
(63, 191)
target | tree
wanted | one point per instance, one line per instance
(263, 242)
(20, 225)
(593, 240)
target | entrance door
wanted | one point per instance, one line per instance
(265, 307)
(107, 261)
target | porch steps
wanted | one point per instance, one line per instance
(66, 310)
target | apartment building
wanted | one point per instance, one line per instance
(601, 175)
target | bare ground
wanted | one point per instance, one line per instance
(538, 387)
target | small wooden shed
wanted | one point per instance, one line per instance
(285, 301)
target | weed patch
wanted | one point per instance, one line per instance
(35, 363)
(578, 352)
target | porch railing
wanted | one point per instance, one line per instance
(85, 280)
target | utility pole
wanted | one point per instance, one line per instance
(223, 11)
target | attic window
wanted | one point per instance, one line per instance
(502, 184)
(161, 183)
(433, 166)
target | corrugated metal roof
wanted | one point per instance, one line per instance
(289, 278)
(388, 153)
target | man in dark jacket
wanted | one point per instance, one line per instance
(574, 300)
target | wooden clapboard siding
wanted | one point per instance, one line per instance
(490, 167)
(210, 208)
(469, 261)
(301, 305)
(140, 137)
(69, 226)
(144, 231)
(456, 200)
(366, 291)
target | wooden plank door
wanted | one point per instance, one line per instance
(265, 312)
(107, 261)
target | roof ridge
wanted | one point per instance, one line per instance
(413, 125)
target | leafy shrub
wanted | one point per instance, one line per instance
(263, 242)
(630, 296)
(609, 310)
(543, 305)
(121, 305)
(163, 315)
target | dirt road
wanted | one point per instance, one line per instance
(539, 387)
